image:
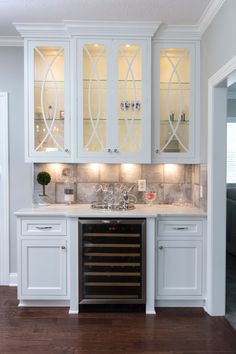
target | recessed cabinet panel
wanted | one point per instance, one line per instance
(179, 268)
(43, 268)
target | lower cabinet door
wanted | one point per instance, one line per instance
(179, 268)
(43, 268)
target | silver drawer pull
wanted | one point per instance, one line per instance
(43, 227)
(161, 248)
(180, 228)
(63, 247)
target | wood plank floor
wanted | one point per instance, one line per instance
(173, 331)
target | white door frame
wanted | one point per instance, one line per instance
(4, 191)
(216, 242)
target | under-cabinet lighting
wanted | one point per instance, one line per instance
(94, 167)
(128, 166)
(170, 168)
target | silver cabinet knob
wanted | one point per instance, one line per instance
(116, 150)
(67, 150)
(157, 151)
(63, 247)
(109, 150)
(161, 248)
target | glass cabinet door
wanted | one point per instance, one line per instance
(94, 98)
(130, 105)
(175, 112)
(50, 97)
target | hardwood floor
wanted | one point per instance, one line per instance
(173, 331)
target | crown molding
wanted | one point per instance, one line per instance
(41, 30)
(177, 32)
(112, 28)
(208, 15)
(67, 29)
(10, 41)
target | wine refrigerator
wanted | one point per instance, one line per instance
(112, 261)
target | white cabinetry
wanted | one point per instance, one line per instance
(179, 267)
(114, 120)
(42, 259)
(88, 91)
(43, 268)
(47, 101)
(175, 97)
(180, 259)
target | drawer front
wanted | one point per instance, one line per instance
(180, 228)
(41, 227)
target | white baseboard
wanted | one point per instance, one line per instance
(180, 303)
(44, 303)
(13, 279)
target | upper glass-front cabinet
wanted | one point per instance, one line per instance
(113, 100)
(175, 99)
(129, 98)
(48, 94)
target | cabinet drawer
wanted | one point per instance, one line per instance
(180, 228)
(42, 227)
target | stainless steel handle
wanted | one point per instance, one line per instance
(63, 247)
(112, 221)
(109, 150)
(180, 228)
(67, 150)
(43, 227)
(157, 151)
(161, 248)
(116, 150)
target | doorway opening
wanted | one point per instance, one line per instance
(4, 191)
(231, 204)
(217, 153)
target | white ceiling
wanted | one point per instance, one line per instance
(171, 12)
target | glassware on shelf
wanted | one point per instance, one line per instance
(150, 196)
(182, 117)
(136, 105)
(172, 116)
(124, 105)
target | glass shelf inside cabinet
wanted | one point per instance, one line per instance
(174, 100)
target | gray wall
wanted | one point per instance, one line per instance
(12, 81)
(218, 46)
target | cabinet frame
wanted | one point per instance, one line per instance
(112, 103)
(192, 156)
(30, 154)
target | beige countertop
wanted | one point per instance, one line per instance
(84, 210)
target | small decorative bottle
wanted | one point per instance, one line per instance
(69, 192)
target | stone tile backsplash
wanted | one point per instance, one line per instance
(199, 177)
(173, 183)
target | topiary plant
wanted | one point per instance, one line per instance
(44, 179)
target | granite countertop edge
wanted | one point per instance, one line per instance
(84, 210)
